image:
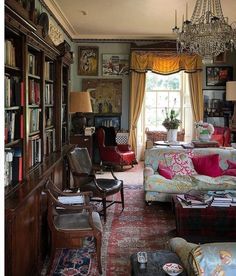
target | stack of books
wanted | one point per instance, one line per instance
(223, 198)
(190, 203)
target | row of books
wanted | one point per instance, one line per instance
(49, 116)
(34, 92)
(49, 93)
(14, 126)
(13, 166)
(34, 151)
(10, 53)
(34, 114)
(50, 141)
(32, 64)
(49, 70)
(14, 91)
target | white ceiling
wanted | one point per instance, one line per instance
(125, 19)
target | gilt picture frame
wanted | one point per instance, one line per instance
(88, 58)
(115, 65)
(218, 75)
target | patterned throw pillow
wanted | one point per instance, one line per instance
(180, 163)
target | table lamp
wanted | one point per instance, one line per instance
(79, 104)
(231, 96)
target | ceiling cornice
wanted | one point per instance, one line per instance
(59, 16)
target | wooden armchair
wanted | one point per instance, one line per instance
(85, 179)
(71, 222)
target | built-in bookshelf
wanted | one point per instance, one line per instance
(36, 114)
(14, 105)
(49, 107)
(35, 150)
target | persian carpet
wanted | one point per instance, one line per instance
(139, 227)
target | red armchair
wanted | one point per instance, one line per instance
(111, 153)
(222, 136)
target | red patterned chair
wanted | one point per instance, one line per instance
(222, 136)
(111, 153)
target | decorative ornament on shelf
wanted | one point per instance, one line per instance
(204, 130)
(171, 123)
(207, 33)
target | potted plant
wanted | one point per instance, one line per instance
(171, 123)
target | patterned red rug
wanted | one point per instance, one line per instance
(138, 228)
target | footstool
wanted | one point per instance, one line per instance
(155, 262)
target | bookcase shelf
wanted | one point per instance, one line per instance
(36, 141)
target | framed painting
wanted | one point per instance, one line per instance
(88, 61)
(115, 65)
(105, 94)
(218, 75)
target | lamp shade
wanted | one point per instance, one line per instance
(231, 90)
(80, 102)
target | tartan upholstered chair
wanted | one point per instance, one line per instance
(71, 218)
(85, 179)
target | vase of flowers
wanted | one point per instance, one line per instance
(204, 131)
(171, 123)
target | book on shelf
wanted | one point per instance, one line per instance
(10, 53)
(17, 165)
(190, 203)
(8, 166)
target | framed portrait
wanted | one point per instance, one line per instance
(105, 95)
(115, 65)
(88, 61)
(218, 75)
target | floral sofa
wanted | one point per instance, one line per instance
(159, 188)
(205, 259)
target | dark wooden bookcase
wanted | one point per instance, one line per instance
(37, 85)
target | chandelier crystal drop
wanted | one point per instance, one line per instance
(207, 33)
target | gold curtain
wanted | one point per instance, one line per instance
(164, 63)
(136, 102)
(195, 83)
(161, 63)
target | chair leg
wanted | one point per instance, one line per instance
(104, 209)
(122, 198)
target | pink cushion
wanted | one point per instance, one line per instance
(232, 165)
(230, 172)
(207, 165)
(165, 171)
(180, 163)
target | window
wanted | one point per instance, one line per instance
(162, 92)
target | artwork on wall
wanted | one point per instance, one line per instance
(106, 94)
(115, 65)
(87, 61)
(218, 75)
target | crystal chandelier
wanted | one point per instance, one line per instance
(207, 33)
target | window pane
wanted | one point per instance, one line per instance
(160, 82)
(162, 99)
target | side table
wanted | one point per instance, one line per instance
(155, 262)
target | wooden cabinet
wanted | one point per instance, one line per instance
(36, 142)
(83, 142)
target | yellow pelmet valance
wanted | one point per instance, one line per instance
(164, 63)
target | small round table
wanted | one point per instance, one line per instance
(155, 262)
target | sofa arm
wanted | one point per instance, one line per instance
(182, 248)
(148, 171)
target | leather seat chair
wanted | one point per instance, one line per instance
(222, 135)
(85, 179)
(111, 153)
(71, 221)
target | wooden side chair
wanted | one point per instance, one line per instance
(71, 221)
(85, 179)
